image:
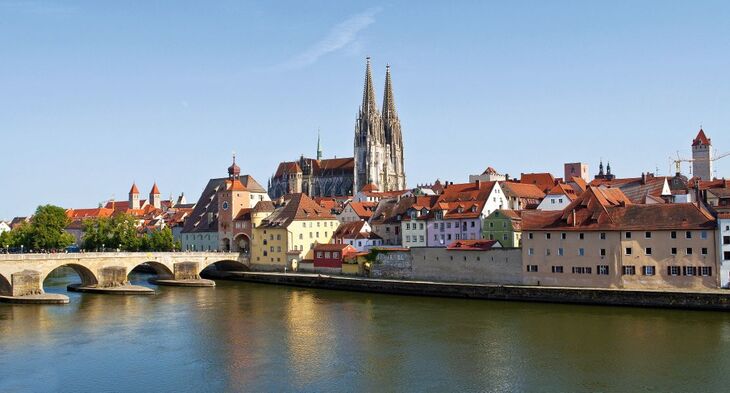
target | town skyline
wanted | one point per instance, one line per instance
(554, 111)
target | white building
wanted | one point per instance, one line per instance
(358, 234)
(558, 198)
(4, 227)
(723, 255)
(489, 174)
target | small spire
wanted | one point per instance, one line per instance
(319, 147)
(388, 100)
(368, 95)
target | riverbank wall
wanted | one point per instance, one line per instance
(718, 300)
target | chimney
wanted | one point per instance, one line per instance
(643, 178)
(478, 183)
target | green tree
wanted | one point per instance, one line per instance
(47, 229)
(119, 231)
(162, 240)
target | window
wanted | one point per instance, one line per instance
(706, 271)
(647, 251)
(602, 270)
(688, 234)
(674, 234)
(603, 235)
(581, 270)
(726, 240)
(628, 270)
(603, 252)
(581, 236)
(532, 268)
(647, 235)
(704, 250)
(726, 256)
(563, 236)
(547, 252)
(648, 270)
(547, 236)
(560, 251)
(703, 234)
(529, 236)
(557, 269)
(581, 252)
(673, 270)
(301, 236)
(628, 235)
(408, 239)
(530, 251)
(628, 251)
(689, 251)
(319, 254)
(690, 270)
(408, 226)
(674, 250)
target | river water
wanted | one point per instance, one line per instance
(261, 338)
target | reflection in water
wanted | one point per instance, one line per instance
(251, 337)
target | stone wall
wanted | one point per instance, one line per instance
(498, 266)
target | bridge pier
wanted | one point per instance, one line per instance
(185, 275)
(111, 280)
(26, 288)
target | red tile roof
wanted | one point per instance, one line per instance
(521, 190)
(155, 190)
(701, 139)
(296, 207)
(609, 209)
(134, 189)
(364, 210)
(544, 181)
(473, 245)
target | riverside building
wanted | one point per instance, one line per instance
(603, 240)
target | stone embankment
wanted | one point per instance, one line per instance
(697, 300)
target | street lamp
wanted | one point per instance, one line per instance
(102, 247)
(21, 248)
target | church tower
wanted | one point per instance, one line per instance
(378, 141)
(702, 156)
(155, 197)
(396, 177)
(134, 197)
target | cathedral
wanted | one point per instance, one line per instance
(377, 160)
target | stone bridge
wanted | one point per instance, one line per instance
(23, 274)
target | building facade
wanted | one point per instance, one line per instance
(602, 240)
(505, 226)
(723, 254)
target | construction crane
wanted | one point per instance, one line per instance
(679, 160)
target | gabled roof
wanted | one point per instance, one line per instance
(251, 184)
(263, 207)
(296, 207)
(364, 210)
(544, 181)
(608, 209)
(134, 189)
(701, 139)
(155, 190)
(520, 190)
(206, 206)
(354, 230)
(287, 168)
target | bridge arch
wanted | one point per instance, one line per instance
(87, 276)
(225, 264)
(161, 270)
(242, 243)
(6, 288)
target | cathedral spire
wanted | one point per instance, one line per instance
(388, 101)
(319, 147)
(368, 95)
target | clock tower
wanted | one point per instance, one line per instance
(233, 197)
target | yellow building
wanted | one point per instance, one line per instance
(288, 235)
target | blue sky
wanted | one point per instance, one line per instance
(95, 95)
